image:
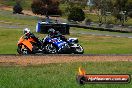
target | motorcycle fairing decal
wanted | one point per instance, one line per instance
(28, 44)
(60, 44)
(25, 42)
(57, 42)
(31, 40)
(20, 40)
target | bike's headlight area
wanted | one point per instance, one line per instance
(18, 42)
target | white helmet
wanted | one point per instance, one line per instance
(26, 30)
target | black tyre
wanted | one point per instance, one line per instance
(23, 51)
(51, 49)
(79, 49)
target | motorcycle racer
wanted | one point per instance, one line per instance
(28, 35)
(56, 34)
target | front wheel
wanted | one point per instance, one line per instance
(22, 49)
(78, 49)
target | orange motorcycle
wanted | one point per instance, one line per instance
(27, 46)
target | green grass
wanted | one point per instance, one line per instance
(95, 18)
(60, 75)
(7, 16)
(26, 4)
(82, 30)
(102, 44)
(8, 39)
(105, 45)
(91, 44)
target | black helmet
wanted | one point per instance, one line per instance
(51, 30)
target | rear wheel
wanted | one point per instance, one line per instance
(51, 49)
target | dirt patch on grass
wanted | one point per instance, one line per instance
(36, 60)
(26, 12)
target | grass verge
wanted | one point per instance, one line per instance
(26, 4)
(95, 18)
(8, 16)
(88, 31)
(60, 75)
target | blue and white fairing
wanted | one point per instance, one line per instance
(73, 40)
(57, 42)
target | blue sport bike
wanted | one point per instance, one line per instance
(58, 46)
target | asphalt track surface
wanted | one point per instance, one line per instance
(21, 60)
(105, 34)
